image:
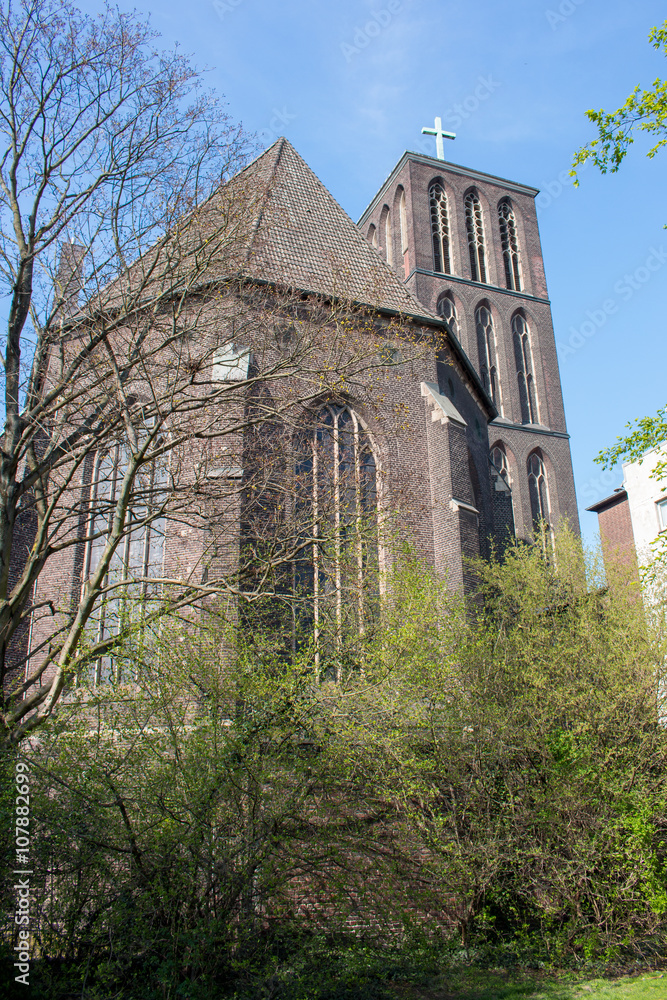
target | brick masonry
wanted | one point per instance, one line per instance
(413, 175)
(430, 419)
(617, 537)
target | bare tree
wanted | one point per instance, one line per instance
(135, 347)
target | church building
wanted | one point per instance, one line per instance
(458, 252)
(457, 426)
(467, 246)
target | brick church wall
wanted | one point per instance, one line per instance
(413, 175)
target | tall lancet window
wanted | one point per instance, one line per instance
(388, 240)
(339, 485)
(510, 244)
(475, 230)
(439, 228)
(447, 310)
(373, 237)
(540, 506)
(524, 370)
(502, 478)
(488, 354)
(127, 588)
(500, 464)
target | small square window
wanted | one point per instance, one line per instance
(662, 512)
(230, 364)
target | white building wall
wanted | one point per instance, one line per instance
(643, 495)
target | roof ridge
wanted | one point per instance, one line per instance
(418, 309)
(280, 143)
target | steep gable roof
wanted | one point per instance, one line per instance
(305, 240)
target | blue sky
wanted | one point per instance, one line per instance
(351, 83)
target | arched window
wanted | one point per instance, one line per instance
(338, 484)
(403, 218)
(447, 310)
(373, 236)
(524, 370)
(439, 228)
(475, 230)
(510, 244)
(138, 557)
(498, 457)
(388, 243)
(538, 488)
(488, 355)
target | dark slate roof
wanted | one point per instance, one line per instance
(305, 240)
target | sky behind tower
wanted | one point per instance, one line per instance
(352, 83)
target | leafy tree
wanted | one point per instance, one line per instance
(495, 773)
(644, 111)
(130, 392)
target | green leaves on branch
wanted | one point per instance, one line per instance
(644, 110)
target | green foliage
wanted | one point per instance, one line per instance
(487, 782)
(646, 433)
(644, 110)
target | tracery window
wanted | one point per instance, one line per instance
(500, 464)
(447, 310)
(138, 557)
(439, 228)
(524, 370)
(538, 489)
(488, 355)
(510, 244)
(475, 230)
(338, 480)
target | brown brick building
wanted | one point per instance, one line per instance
(467, 246)
(455, 424)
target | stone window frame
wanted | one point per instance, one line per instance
(509, 241)
(474, 218)
(539, 494)
(363, 445)
(487, 347)
(126, 572)
(440, 227)
(453, 320)
(500, 462)
(525, 368)
(386, 235)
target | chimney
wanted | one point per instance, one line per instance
(68, 282)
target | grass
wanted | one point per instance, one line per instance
(470, 984)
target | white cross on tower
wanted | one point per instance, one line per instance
(439, 134)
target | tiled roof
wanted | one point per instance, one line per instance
(274, 221)
(304, 239)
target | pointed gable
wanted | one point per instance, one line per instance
(303, 239)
